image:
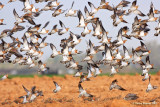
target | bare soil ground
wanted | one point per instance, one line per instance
(11, 89)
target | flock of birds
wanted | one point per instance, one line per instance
(29, 50)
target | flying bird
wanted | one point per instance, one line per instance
(114, 85)
(58, 11)
(58, 88)
(63, 30)
(44, 31)
(134, 9)
(150, 87)
(4, 77)
(71, 12)
(83, 92)
(131, 96)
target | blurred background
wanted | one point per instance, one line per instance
(152, 42)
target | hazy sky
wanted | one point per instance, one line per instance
(72, 22)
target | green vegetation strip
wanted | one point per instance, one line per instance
(131, 73)
(51, 75)
(31, 76)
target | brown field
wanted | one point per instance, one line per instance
(11, 89)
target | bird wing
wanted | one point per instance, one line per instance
(86, 11)
(91, 5)
(134, 3)
(107, 51)
(81, 17)
(15, 14)
(53, 48)
(55, 83)
(46, 24)
(29, 19)
(72, 4)
(62, 25)
(126, 53)
(120, 88)
(80, 87)
(27, 91)
(44, 39)
(119, 36)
